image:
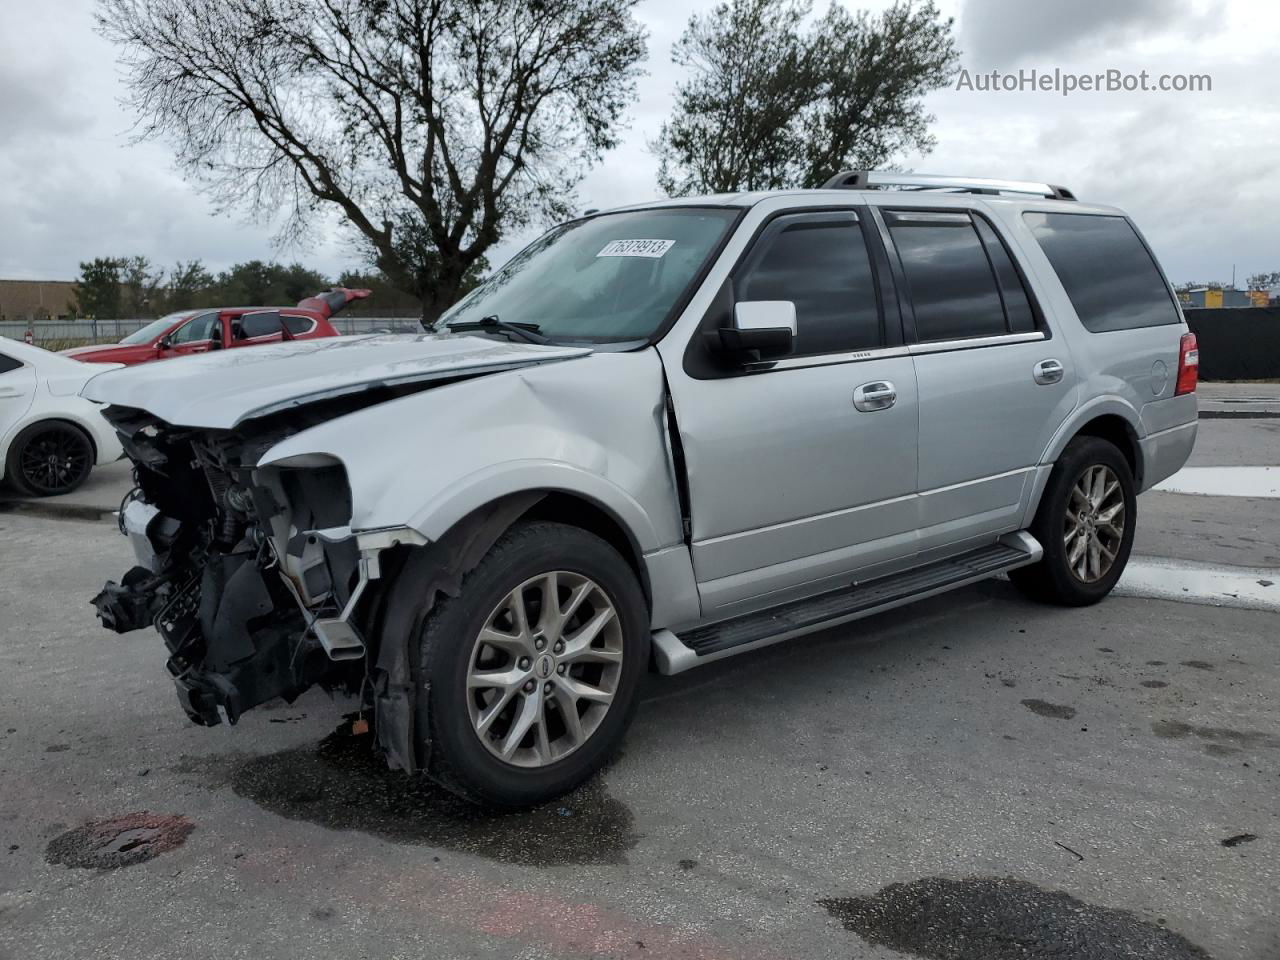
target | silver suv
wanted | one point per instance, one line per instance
(658, 437)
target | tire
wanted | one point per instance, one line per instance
(49, 458)
(1062, 576)
(494, 769)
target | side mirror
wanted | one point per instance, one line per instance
(762, 330)
(164, 343)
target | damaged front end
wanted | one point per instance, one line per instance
(251, 576)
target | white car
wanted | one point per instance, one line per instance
(50, 436)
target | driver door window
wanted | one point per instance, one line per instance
(820, 263)
(195, 330)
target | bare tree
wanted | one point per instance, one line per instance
(776, 100)
(434, 126)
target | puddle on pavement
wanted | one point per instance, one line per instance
(342, 784)
(1222, 738)
(1043, 708)
(1255, 587)
(119, 842)
(982, 918)
(1224, 482)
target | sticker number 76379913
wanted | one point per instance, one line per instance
(636, 248)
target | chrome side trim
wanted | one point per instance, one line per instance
(825, 359)
(970, 483)
(845, 511)
(737, 534)
(973, 343)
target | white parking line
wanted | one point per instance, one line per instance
(1224, 481)
(1256, 588)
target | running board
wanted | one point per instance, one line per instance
(675, 654)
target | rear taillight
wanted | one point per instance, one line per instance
(1188, 365)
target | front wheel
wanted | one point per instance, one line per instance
(530, 674)
(1085, 523)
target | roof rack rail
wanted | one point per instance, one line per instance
(871, 180)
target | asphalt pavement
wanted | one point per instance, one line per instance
(971, 777)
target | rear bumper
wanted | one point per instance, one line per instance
(1169, 433)
(1164, 453)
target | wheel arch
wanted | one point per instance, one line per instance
(422, 573)
(1119, 433)
(1107, 418)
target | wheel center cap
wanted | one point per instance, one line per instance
(544, 666)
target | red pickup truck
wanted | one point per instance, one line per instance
(213, 328)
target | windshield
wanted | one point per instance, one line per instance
(612, 277)
(154, 328)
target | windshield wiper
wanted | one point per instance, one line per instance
(528, 332)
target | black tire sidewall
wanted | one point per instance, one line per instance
(13, 464)
(1060, 583)
(458, 757)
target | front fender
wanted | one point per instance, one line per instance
(591, 427)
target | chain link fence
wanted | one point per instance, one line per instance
(60, 334)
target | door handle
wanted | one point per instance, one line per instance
(876, 395)
(1047, 371)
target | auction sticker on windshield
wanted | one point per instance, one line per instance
(636, 248)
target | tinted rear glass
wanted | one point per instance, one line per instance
(952, 287)
(1112, 281)
(259, 325)
(8, 363)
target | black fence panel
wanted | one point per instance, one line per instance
(1237, 344)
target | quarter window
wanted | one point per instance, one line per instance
(949, 276)
(299, 325)
(1109, 275)
(8, 363)
(820, 263)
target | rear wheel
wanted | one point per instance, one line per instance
(530, 675)
(1085, 523)
(49, 458)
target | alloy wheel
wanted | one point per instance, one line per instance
(1094, 523)
(55, 460)
(544, 669)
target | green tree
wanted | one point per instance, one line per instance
(773, 101)
(142, 291)
(1265, 280)
(190, 285)
(434, 126)
(98, 289)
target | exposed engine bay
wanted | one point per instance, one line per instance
(232, 568)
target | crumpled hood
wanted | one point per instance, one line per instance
(222, 388)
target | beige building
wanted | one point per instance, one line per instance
(37, 299)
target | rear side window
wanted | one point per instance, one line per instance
(8, 363)
(299, 325)
(949, 276)
(259, 325)
(820, 263)
(1106, 269)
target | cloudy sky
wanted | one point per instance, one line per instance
(1197, 170)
